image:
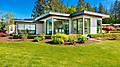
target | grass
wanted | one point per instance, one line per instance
(27, 54)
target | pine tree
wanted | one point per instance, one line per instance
(81, 5)
(89, 8)
(119, 10)
(39, 8)
(115, 9)
(101, 9)
(55, 6)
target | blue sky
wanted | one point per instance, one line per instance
(23, 8)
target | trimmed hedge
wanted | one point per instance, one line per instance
(105, 36)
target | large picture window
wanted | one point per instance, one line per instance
(61, 26)
(87, 26)
(78, 26)
(26, 28)
(49, 26)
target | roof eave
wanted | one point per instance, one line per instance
(52, 13)
(97, 14)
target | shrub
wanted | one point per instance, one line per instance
(59, 38)
(32, 36)
(3, 34)
(72, 39)
(39, 38)
(111, 36)
(15, 36)
(23, 36)
(37, 35)
(82, 39)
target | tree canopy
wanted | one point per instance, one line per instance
(43, 6)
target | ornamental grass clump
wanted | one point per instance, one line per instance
(82, 39)
(39, 37)
(72, 39)
(59, 38)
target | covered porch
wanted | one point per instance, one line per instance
(53, 25)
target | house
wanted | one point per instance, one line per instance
(84, 22)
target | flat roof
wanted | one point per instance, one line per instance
(84, 12)
(23, 20)
(52, 13)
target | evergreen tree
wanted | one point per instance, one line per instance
(81, 5)
(71, 10)
(88, 6)
(115, 11)
(55, 6)
(39, 8)
(101, 9)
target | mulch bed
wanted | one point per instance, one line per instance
(6, 39)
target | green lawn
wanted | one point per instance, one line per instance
(104, 54)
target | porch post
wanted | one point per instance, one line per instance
(52, 26)
(70, 26)
(83, 25)
(45, 27)
(101, 27)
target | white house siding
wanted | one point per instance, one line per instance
(93, 29)
(39, 28)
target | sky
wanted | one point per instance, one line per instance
(23, 8)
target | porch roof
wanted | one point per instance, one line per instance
(73, 15)
(84, 12)
(52, 13)
(24, 20)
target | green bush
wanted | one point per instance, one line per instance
(15, 36)
(107, 35)
(32, 36)
(23, 36)
(59, 38)
(82, 39)
(72, 39)
(39, 37)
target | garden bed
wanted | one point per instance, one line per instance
(6, 39)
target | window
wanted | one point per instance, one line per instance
(11, 28)
(87, 26)
(49, 26)
(26, 28)
(75, 26)
(61, 26)
(78, 26)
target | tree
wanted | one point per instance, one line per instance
(7, 19)
(39, 8)
(81, 5)
(119, 10)
(71, 10)
(55, 6)
(115, 11)
(101, 9)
